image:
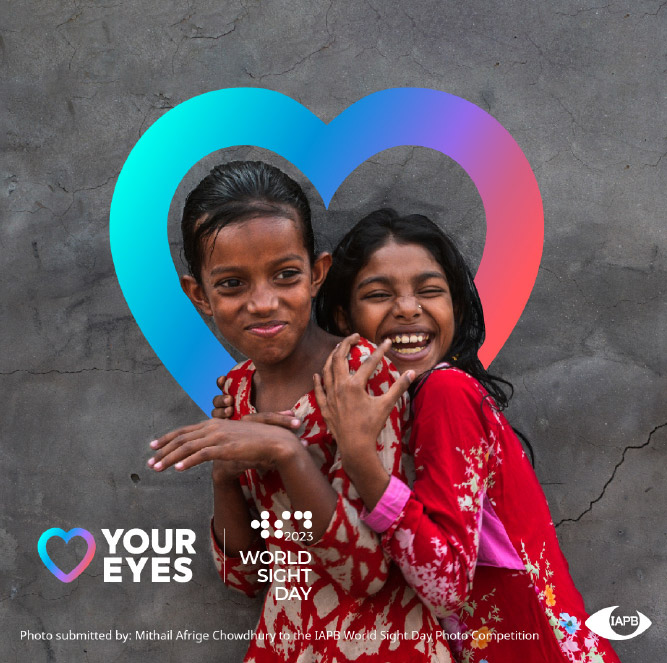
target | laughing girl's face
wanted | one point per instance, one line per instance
(402, 294)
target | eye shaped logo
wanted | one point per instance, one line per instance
(603, 620)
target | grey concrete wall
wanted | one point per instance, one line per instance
(580, 87)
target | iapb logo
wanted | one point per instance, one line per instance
(603, 621)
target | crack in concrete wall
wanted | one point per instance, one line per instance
(611, 478)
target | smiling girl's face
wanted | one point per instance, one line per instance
(257, 283)
(402, 294)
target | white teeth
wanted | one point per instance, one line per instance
(409, 351)
(413, 338)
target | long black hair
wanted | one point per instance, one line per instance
(374, 231)
(238, 191)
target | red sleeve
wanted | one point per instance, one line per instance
(349, 552)
(435, 539)
(243, 576)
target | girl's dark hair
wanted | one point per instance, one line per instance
(239, 191)
(377, 229)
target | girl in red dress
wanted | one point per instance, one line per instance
(473, 536)
(332, 593)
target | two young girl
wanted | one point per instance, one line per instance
(249, 246)
(474, 537)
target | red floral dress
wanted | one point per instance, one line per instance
(475, 537)
(358, 607)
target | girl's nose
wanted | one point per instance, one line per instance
(262, 301)
(407, 306)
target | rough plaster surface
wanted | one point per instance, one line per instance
(582, 89)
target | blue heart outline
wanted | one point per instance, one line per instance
(326, 154)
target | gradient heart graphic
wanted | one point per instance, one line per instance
(326, 154)
(66, 536)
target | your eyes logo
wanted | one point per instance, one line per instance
(135, 554)
(603, 620)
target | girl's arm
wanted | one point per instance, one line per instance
(342, 542)
(349, 550)
(356, 417)
(250, 444)
(435, 537)
(432, 533)
(233, 448)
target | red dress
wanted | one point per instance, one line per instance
(354, 592)
(475, 538)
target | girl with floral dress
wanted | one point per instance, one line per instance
(253, 269)
(473, 536)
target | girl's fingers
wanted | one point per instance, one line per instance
(368, 367)
(223, 400)
(327, 373)
(181, 453)
(208, 444)
(166, 439)
(157, 461)
(340, 365)
(222, 412)
(398, 389)
(320, 394)
(221, 382)
(197, 458)
(288, 421)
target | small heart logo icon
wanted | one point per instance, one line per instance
(66, 536)
(326, 154)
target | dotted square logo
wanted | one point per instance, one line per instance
(264, 524)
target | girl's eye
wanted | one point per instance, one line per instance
(377, 296)
(229, 283)
(431, 292)
(286, 274)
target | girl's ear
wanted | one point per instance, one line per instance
(319, 271)
(195, 292)
(341, 321)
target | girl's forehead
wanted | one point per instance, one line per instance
(255, 239)
(404, 260)
(259, 229)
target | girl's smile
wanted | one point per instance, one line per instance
(268, 329)
(402, 294)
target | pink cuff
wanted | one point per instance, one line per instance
(389, 508)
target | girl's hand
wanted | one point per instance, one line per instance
(238, 445)
(224, 409)
(354, 416)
